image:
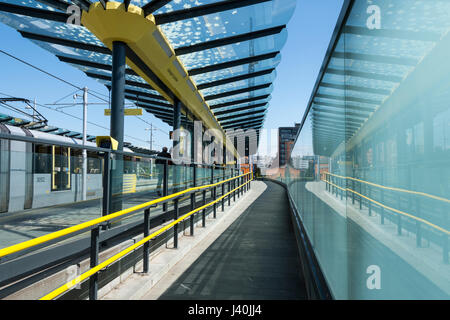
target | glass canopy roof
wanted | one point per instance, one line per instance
(230, 49)
(365, 66)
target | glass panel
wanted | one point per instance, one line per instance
(229, 23)
(240, 96)
(236, 85)
(203, 176)
(42, 190)
(370, 180)
(237, 71)
(235, 51)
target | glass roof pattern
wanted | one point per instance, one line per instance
(232, 48)
(367, 65)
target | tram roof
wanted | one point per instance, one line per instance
(230, 50)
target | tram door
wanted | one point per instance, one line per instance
(60, 168)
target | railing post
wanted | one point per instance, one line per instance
(229, 195)
(191, 220)
(194, 175)
(165, 183)
(175, 227)
(353, 194)
(360, 197)
(204, 210)
(146, 250)
(369, 204)
(194, 181)
(237, 185)
(399, 225)
(234, 192)
(93, 280)
(382, 208)
(223, 199)
(214, 204)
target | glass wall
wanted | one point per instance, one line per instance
(370, 169)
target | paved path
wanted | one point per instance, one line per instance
(255, 258)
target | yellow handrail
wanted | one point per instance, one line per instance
(119, 255)
(58, 234)
(392, 209)
(392, 188)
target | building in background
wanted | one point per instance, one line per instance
(286, 138)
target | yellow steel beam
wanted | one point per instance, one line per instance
(145, 38)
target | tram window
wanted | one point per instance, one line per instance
(60, 168)
(77, 161)
(94, 162)
(42, 159)
(129, 165)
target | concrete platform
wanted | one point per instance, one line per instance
(167, 263)
(255, 258)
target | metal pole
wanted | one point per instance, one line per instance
(194, 182)
(175, 227)
(106, 209)
(84, 152)
(176, 138)
(223, 199)
(214, 204)
(229, 195)
(146, 250)
(165, 183)
(204, 210)
(151, 136)
(151, 146)
(93, 280)
(191, 220)
(118, 92)
(117, 116)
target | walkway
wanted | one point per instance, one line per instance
(255, 258)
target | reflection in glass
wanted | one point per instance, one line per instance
(369, 173)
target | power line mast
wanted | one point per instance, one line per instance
(151, 143)
(84, 178)
(84, 152)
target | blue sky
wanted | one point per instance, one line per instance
(309, 33)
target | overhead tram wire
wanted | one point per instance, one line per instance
(78, 118)
(47, 73)
(153, 125)
(92, 123)
(67, 82)
(73, 85)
